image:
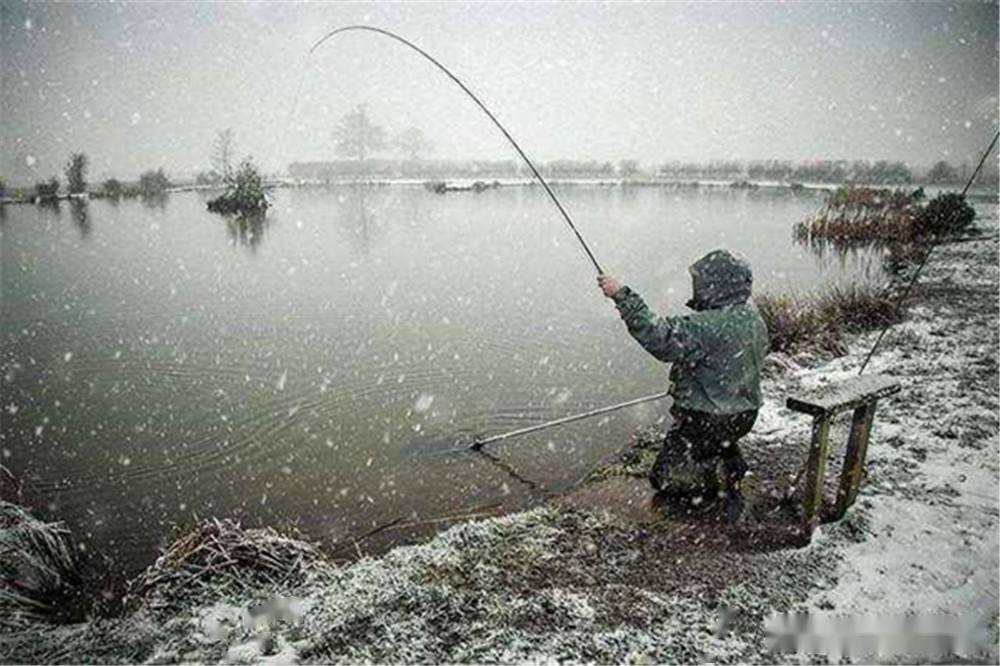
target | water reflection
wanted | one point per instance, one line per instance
(533, 487)
(246, 230)
(311, 413)
(156, 201)
(50, 205)
(356, 219)
(81, 216)
(871, 256)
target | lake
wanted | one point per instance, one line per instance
(162, 364)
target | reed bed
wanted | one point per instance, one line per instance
(859, 214)
(819, 323)
(39, 572)
(221, 557)
(862, 213)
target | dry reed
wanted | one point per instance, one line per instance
(220, 556)
(863, 213)
(39, 572)
(856, 214)
(819, 323)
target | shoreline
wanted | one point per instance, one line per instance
(601, 582)
(466, 184)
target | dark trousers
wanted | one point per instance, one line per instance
(701, 454)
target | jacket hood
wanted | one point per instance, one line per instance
(719, 279)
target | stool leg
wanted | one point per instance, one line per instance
(854, 458)
(812, 500)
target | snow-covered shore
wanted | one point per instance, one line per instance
(567, 582)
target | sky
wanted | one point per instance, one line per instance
(146, 85)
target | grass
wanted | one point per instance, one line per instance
(39, 572)
(220, 556)
(819, 323)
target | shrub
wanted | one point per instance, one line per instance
(947, 213)
(818, 323)
(942, 172)
(113, 188)
(859, 307)
(794, 324)
(245, 192)
(153, 183)
(208, 178)
(46, 191)
(899, 257)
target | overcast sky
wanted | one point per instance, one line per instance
(140, 85)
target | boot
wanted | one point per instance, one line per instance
(734, 469)
(674, 472)
(658, 473)
(732, 510)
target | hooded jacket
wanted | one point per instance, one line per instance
(717, 352)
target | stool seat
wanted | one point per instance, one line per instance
(860, 394)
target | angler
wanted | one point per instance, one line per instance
(716, 356)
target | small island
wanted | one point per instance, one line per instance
(245, 192)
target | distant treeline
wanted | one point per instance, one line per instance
(434, 168)
(151, 183)
(820, 171)
(393, 168)
(825, 171)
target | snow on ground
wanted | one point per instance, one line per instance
(931, 496)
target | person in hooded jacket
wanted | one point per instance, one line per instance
(716, 356)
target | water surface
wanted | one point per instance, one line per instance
(162, 363)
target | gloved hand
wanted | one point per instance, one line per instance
(609, 284)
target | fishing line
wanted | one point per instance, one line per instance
(933, 245)
(479, 103)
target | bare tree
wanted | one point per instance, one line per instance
(76, 173)
(628, 168)
(356, 136)
(223, 153)
(412, 144)
(113, 188)
(942, 172)
(153, 183)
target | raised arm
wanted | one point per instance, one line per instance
(669, 339)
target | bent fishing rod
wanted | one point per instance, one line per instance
(479, 103)
(478, 443)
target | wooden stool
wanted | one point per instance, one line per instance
(860, 394)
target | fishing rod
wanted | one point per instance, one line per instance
(478, 443)
(531, 165)
(933, 245)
